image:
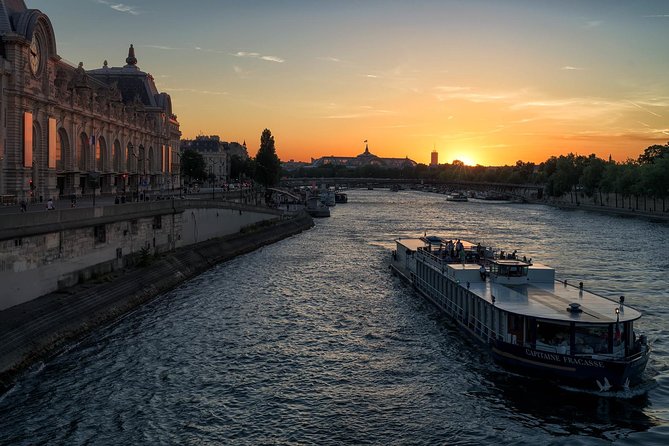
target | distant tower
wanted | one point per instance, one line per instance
(434, 160)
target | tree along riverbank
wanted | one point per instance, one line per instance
(38, 329)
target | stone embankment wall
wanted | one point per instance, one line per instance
(40, 327)
(645, 207)
(41, 252)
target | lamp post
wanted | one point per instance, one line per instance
(180, 172)
(136, 173)
(212, 178)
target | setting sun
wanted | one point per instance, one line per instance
(466, 159)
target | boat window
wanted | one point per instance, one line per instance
(509, 270)
(553, 337)
(591, 339)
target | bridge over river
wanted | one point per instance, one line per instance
(527, 192)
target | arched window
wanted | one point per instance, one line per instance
(141, 166)
(82, 150)
(37, 142)
(62, 148)
(130, 158)
(117, 156)
(152, 160)
(101, 154)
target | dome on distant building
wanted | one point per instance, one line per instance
(366, 158)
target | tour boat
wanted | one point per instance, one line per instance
(456, 196)
(533, 324)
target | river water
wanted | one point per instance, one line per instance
(313, 341)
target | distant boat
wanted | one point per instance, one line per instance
(492, 196)
(341, 197)
(456, 196)
(316, 208)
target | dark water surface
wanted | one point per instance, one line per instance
(312, 341)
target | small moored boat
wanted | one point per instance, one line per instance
(316, 208)
(533, 323)
(341, 197)
(456, 196)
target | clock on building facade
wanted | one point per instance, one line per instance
(35, 54)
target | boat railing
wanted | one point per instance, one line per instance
(436, 259)
(460, 313)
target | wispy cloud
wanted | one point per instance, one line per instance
(645, 109)
(572, 68)
(194, 90)
(120, 7)
(329, 59)
(162, 47)
(254, 55)
(592, 24)
(445, 93)
(657, 16)
(366, 112)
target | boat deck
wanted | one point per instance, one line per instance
(536, 298)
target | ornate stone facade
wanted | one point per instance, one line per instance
(65, 130)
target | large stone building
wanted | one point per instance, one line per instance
(364, 159)
(216, 154)
(65, 130)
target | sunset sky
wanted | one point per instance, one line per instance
(487, 82)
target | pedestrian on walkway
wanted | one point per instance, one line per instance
(24, 205)
(49, 205)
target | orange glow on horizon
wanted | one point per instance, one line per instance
(466, 159)
(494, 100)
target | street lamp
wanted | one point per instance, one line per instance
(212, 178)
(180, 173)
(136, 174)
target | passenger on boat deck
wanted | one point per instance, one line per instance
(482, 271)
(463, 256)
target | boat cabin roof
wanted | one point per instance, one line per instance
(551, 300)
(515, 262)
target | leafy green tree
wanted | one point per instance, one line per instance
(193, 166)
(241, 167)
(627, 181)
(609, 179)
(654, 152)
(592, 175)
(267, 163)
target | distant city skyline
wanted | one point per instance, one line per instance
(486, 82)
